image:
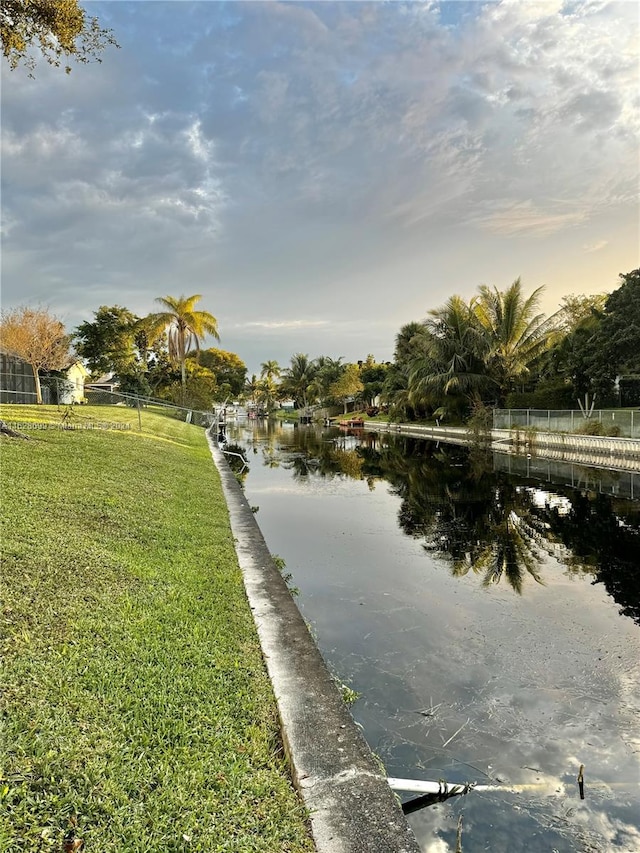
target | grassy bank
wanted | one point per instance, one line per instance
(138, 715)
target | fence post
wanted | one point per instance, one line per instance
(139, 417)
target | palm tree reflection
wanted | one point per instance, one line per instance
(467, 516)
(494, 524)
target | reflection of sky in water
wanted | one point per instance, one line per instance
(463, 682)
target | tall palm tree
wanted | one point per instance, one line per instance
(252, 388)
(185, 327)
(298, 377)
(270, 370)
(514, 333)
(450, 358)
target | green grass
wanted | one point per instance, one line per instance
(137, 714)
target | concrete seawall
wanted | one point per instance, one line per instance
(351, 805)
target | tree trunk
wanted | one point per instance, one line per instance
(183, 375)
(36, 379)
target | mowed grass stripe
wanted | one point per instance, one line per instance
(137, 711)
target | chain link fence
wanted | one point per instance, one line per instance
(615, 422)
(57, 391)
(101, 397)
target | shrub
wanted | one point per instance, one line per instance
(593, 427)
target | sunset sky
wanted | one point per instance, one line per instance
(325, 172)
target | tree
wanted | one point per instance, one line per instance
(327, 370)
(252, 388)
(450, 360)
(185, 327)
(620, 329)
(199, 391)
(108, 343)
(270, 370)
(298, 377)
(36, 336)
(57, 28)
(228, 368)
(574, 308)
(372, 376)
(347, 386)
(603, 343)
(514, 334)
(409, 344)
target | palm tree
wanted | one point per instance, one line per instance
(450, 359)
(185, 327)
(252, 388)
(270, 370)
(298, 377)
(514, 334)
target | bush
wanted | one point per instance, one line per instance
(551, 394)
(593, 427)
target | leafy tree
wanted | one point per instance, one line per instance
(199, 390)
(36, 336)
(185, 327)
(59, 29)
(575, 308)
(619, 334)
(347, 386)
(228, 368)
(108, 343)
(573, 359)
(135, 381)
(327, 370)
(602, 343)
(372, 376)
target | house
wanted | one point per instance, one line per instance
(106, 382)
(72, 388)
(17, 384)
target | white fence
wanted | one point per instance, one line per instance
(623, 422)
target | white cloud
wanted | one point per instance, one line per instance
(283, 324)
(516, 218)
(596, 246)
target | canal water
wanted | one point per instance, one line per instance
(489, 620)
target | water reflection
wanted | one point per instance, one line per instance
(477, 519)
(497, 525)
(461, 679)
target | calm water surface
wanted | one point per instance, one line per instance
(490, 622)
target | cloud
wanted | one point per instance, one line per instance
(283, 324)
(525, 218)
(278, 151)
(595, 247)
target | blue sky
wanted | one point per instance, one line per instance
(325, 172)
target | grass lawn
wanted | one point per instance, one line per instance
(137, 714)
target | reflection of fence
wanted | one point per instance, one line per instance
(617, 483)
(623, 422)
